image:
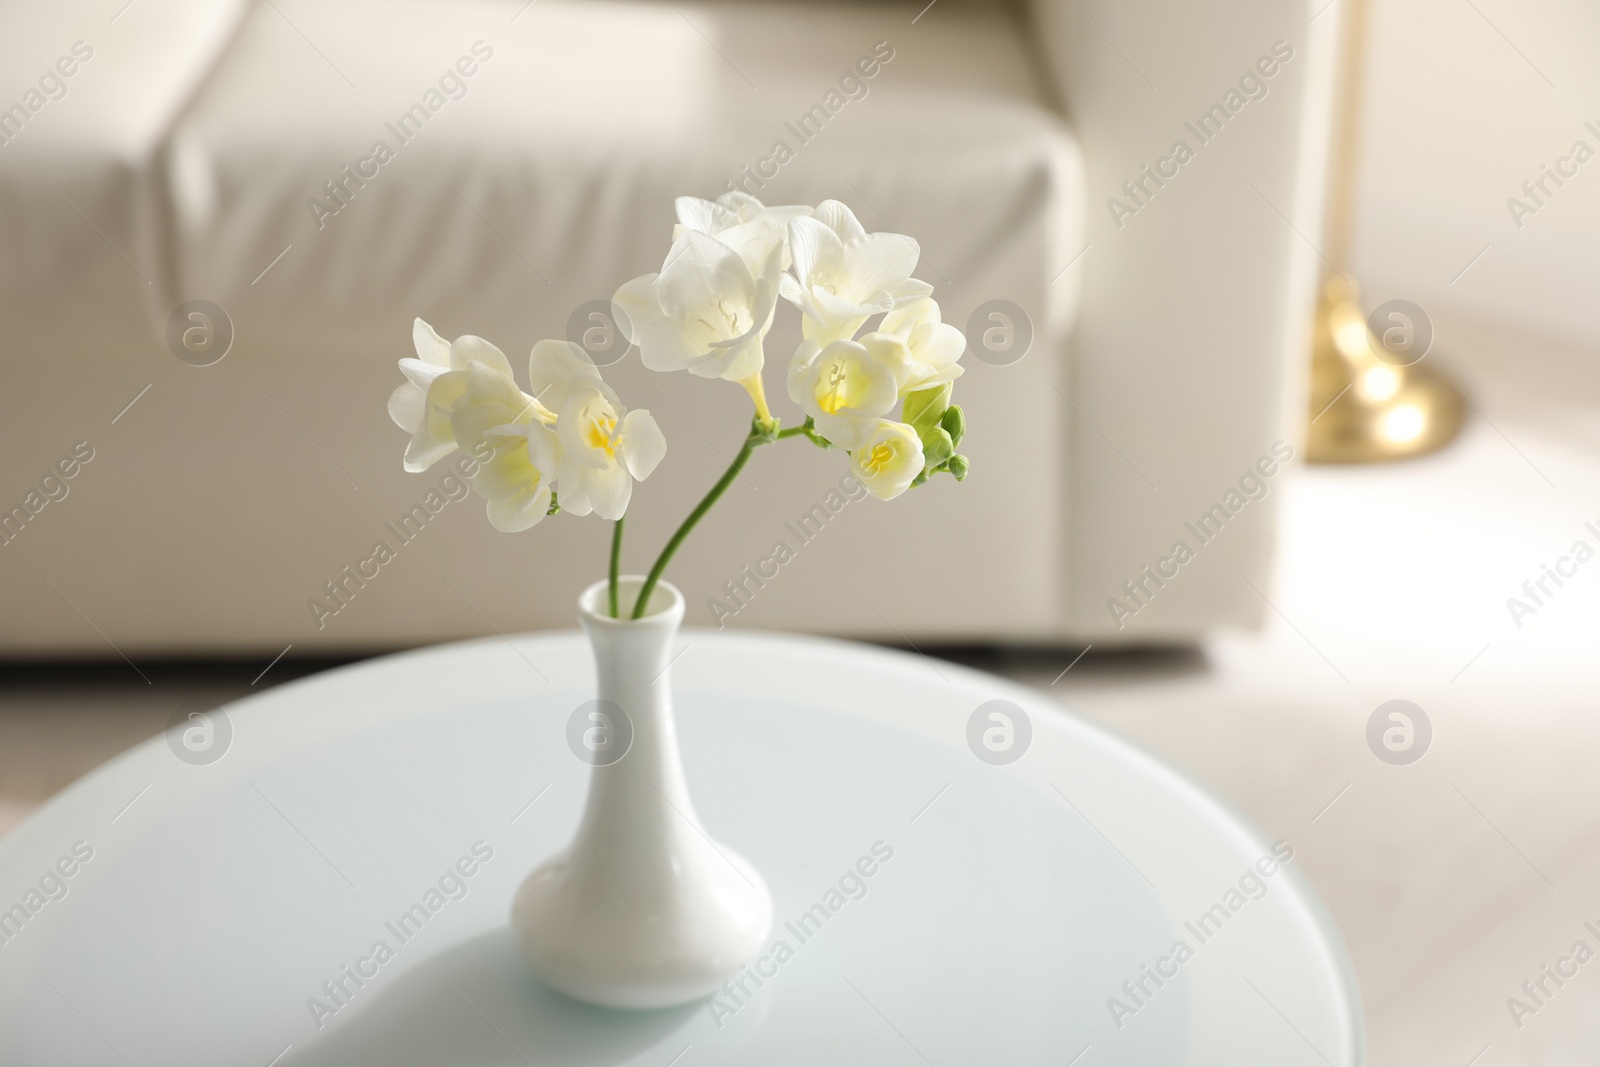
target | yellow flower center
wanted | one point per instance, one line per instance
(512, 463)
(839, 387)
(880, 456)
(598, 434)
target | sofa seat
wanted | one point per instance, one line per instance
(530, 157)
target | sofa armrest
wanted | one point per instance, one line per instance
(1204, 133)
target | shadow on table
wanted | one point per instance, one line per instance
(477, 1005)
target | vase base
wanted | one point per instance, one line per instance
(620, 948)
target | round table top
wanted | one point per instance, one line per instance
(321, 874)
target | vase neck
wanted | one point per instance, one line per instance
(631, 662)
(642, 796)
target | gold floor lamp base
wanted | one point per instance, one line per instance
(1371, 398)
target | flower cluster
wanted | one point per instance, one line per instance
(567, 443)
(709, 309)
(569, 430)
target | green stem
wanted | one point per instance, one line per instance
(616, 556)
(806, 430)
(698, 513)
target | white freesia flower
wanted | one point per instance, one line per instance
(572, 431)
(929, 347)
(490, 410)
(602, 454)
(706, 312)
(844, 275)
(603, 447)
(889, 460)
(517, 476)
(489, 398)
(846, 387)
(424, 405)
(741, 222)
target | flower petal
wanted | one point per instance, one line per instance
(446, 389)
(734, 360)
(697, 214)
(943, 345)
(635, 301)
(799, 364)
(642, 443)
(420, 372)
(488, 399)
(468, 349)
(910, 291)
(700, 271)
(431, 348)
(840, 219)
(879, 263)
(490, 385)
(908, 315)
(574, 482)
(791, 290)
(554, 367)
(815, 248)
(424, 451)
(848, 430)
(408, 407)
(521, 512)
(544, 449)
(609, 491)
(890, 353)
(831, 308)
(756, 240)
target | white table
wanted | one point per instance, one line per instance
(1019, 899)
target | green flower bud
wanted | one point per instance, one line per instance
(936, 448)
(959, 466)
(954, 422)
(924, 407)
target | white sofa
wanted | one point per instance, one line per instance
(187, 157)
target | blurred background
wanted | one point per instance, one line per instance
(1154, 334)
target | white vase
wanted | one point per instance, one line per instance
(642, 909)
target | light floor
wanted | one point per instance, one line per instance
(1454, 879)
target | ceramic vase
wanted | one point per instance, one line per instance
(643, 909)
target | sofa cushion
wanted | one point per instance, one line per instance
(556, 160)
